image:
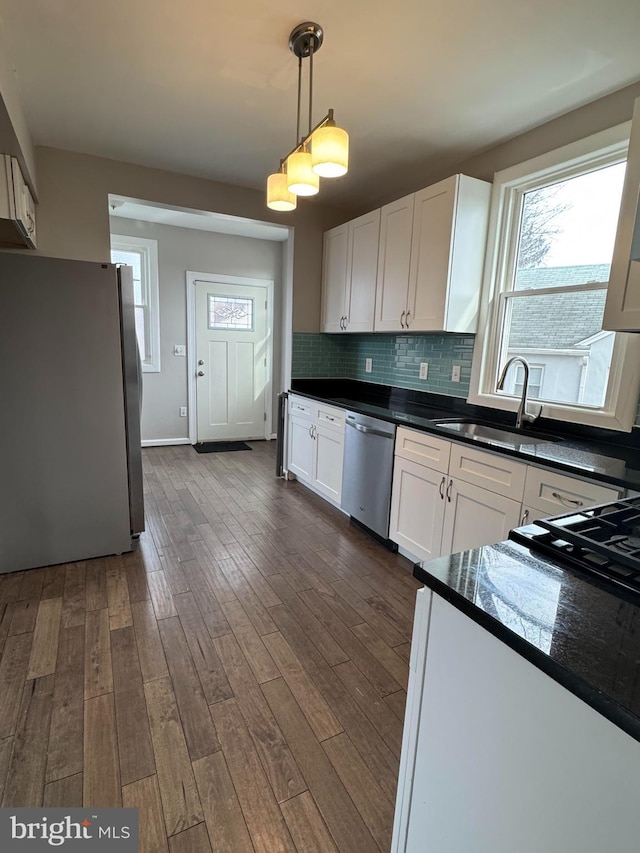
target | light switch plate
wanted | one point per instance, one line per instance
(424, 369)
(368, 365)
(455, 373)
(179, 349)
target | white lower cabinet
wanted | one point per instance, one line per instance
(327, 472)
(498, 757)
(316, 445)
(301, 447)
(450, 497)
(417, 508)
(475, 517)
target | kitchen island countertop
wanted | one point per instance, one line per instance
(579, 632)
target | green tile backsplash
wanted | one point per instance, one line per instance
(396, 359)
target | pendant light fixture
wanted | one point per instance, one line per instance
(323, 152)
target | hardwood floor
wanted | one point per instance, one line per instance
(240, 678)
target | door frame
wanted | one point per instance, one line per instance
(267, 284)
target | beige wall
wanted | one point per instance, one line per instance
(73, 216)
(181, 250)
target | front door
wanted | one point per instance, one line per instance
(231, 360)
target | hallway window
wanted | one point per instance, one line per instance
(142, 255)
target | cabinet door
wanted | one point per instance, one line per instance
(430, 256)
(334, 278)
(622, 308)
(362, 267)
(417, 508)
(301, 447)
(396, 222)
(328, 450)
(475, 517)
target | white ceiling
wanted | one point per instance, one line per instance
(209, 88)
(201, 220)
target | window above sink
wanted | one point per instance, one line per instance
(553, 223)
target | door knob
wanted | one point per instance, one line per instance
(201, 362)
(201, 373)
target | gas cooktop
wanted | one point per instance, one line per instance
(603, 541)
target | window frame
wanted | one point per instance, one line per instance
(621, 399)
(148, 251)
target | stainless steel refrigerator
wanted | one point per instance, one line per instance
(70, 455)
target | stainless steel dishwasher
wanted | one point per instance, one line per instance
(367, 471)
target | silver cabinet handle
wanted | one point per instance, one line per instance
(341, 319)
(346, 323)
(564, 500)
(406, 319)
(401, 319)
(201, 373)
(200, 362)
(525, 517)
(311, 431)
(449, 487)
(441, 488)
(315, 431)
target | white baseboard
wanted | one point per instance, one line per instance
(163, 442)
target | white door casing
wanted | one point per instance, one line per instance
(232, 399)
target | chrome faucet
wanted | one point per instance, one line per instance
(522, 414)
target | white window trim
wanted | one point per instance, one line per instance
(149, 251)
(620, 406)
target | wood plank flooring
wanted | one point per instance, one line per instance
(240, 678)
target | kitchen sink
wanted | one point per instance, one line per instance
(481, 431)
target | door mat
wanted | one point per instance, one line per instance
(220, 446)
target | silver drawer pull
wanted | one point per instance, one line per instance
(564, 500)
(525, 517)
(449, 487)
(441, 487)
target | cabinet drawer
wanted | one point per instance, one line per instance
(330, 417)
(556, 493)
(498, 474)
(423, 448)
(300, 407)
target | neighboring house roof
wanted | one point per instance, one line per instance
(559, 320)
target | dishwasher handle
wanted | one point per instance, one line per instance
(369, 430)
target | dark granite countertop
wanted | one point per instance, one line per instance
(582, 634)
(604, 455)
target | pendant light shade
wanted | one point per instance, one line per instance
(330, 151)
(278, 195)
(301, 179)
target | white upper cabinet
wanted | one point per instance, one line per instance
(431, 255)
(334, 278)
(394, 253)
(17, 208)
(362, 266)
(622, 309)
(350, 261)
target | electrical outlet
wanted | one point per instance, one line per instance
(179, 349)
(455, 373)
(183, 411)
(368, 365)
(424, 369)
